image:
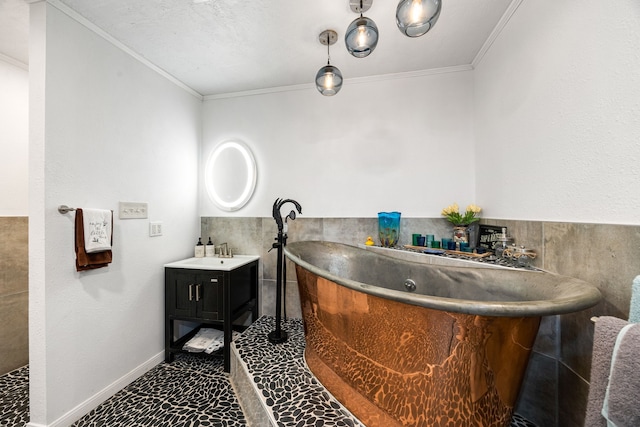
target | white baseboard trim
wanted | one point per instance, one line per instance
(91, 403)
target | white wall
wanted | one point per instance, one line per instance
(402, 144)
(14, 140)
(553, 106)
(558, 114)
(104, 128)
(554, 128)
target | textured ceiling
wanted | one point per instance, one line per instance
(224, 46)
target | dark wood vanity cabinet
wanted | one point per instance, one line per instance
(209, 298)
(195, 294)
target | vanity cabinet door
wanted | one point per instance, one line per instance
(195, 294)
(180, 293)
(209, 296)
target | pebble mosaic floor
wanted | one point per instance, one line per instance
(287, 387)
(14, 398)
(280, 373)
(194, 391)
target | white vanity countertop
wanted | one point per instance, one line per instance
(214, 263)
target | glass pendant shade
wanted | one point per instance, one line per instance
(329, 80)
(361, 37)
(415, 17)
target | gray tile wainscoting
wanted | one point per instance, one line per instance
(556, 385)
(14, 293)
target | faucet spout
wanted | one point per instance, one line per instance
(225, 252)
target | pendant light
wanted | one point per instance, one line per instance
(415, 17)
(361, 37)
(328, 78)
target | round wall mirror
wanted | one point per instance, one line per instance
(230, 175)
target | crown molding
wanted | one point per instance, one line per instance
(291, 88)
(411, 74)
(12, 61)
(504, 20)
(354, 80)
(106, 36)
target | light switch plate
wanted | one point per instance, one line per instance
(155, 229)
(133, 210)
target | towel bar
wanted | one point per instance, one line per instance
(63, 209)
(594, 319)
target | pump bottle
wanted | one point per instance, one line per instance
(209, 249)
(199, 250)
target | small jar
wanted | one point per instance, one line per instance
(502, 243)
(524, 257)
(499, 248)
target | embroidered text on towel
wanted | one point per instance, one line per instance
(97, 230)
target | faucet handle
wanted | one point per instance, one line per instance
(225, 251)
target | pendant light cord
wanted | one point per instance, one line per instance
(328, 52)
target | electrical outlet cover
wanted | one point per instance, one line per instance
(155, 229)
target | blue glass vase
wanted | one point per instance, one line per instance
(389, 228)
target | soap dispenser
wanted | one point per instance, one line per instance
(199, 251)
(502, 243)
(209, 249)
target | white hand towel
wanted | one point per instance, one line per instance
(97, 230)
(218, 343)
(203, 339)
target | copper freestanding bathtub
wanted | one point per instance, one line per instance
(401, 343)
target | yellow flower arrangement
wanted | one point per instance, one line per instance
(452, 213)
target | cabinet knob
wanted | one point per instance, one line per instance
(214, 280)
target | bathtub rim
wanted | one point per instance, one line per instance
(577, 295)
